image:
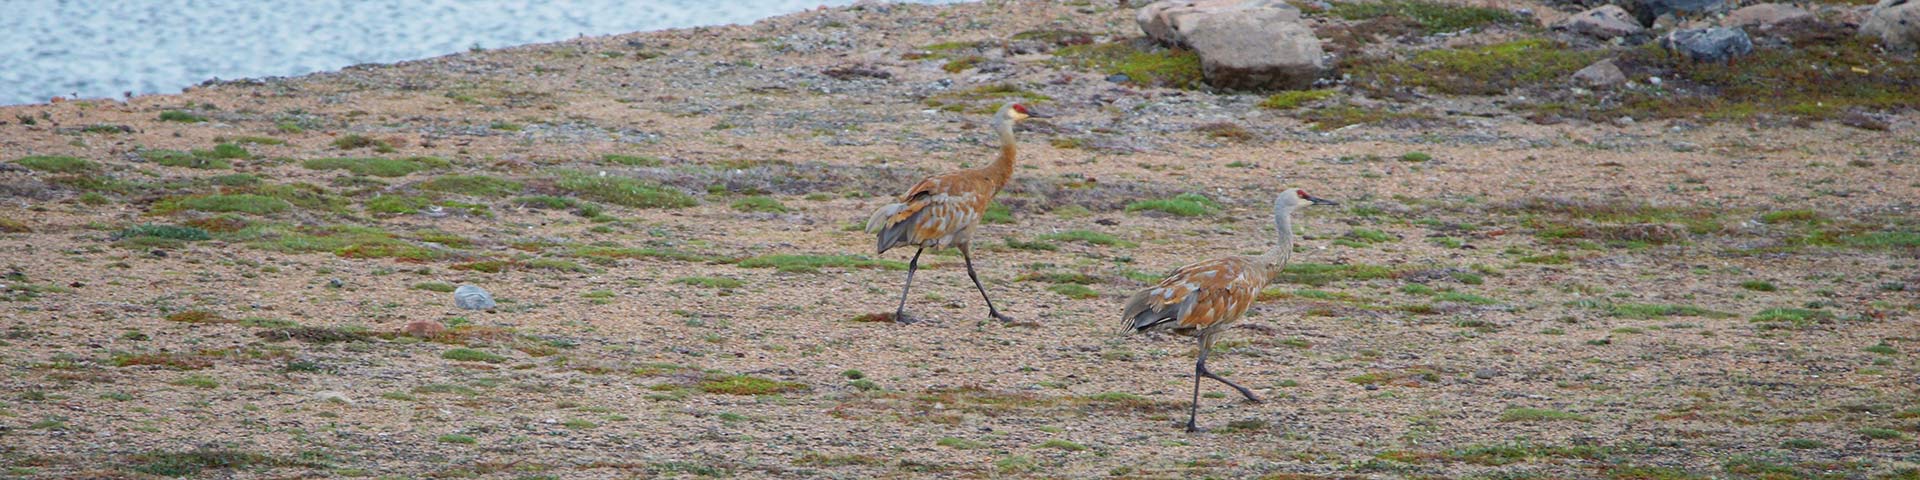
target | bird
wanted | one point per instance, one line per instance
(1202, 299)
(942, 210)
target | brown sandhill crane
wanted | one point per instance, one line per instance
(1201, 299)
(942, 210)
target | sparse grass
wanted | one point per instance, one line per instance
(1062, 445)
(1183, 205)
(158, 235)
(709, 282)
(1073, 290)
(57, 164)
(1225, 131)
(1759, 285)
(440, 287)
(196, 381)
(1540, 415)
(1292, 99)
(379, 167)
(631, 160)
(197, 316)
(180, 116)
(746, 385)
(1035, 245)
(8, 225)
(474, 185)
(1339, 116)
(997, 214)
(813, 263)
(548, 202)
(984, 99)
(1790, 216)
(758, 203)
(1431, 17)
(356, 141)
(1882, 434)
(631, 192)
(471, 355)
(958, 443)
(1882, 349)
(1321, 274)
(197, 462)
(1141, 62)
(456, 438)
(396, 204)
(1484, 70)
(1791, 317)
(1415, 157)
(1649, 311)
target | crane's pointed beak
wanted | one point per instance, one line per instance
(1321, 201)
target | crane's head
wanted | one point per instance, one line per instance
(1296, 198)
(1017, 111)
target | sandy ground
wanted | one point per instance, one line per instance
(1426, 371)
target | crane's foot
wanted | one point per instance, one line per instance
(1003, 318)
(1191, 428)
(1251, 398)
(904, 318)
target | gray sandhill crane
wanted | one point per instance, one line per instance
(1201, 299)
(942, 210)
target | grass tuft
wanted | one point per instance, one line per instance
(57, 164)
(1183, 205)
(631, 192)
(1540, 415)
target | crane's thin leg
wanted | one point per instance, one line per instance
(900, 314)
(1206, 344)
(995, 312)
(1199, 370)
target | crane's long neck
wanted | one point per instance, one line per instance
(1276, 258)
(1001, 170)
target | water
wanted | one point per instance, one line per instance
(103, 48)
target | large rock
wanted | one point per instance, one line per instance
(1166, 20)
(1708, 44)
(1896, 23)
(1765, 15)
(1242, 44)
(1606, 22)
(1646, 11)
(472, 298)
(1600, 74)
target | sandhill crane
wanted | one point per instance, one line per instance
(1201, 299)
(942, 210)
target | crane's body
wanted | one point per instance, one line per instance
(1201, 299)
(942, 211)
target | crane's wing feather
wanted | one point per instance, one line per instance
(951, 197)
(1195, 297)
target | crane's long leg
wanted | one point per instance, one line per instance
(995, 312)
(1206, 344)
(900, 314)
(1199, 370)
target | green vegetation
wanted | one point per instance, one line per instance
(813, 263)
(1540, 415)
(238, 203)
(1790, 216)
(1338, 116)
(758, 203)
(196, 381)
(1818, 78)
(1883, 434)
(1484, 70)
(57, 164)
(396, 204)
(1292, 99)
(1041, 246)
(458, 439)
(1073, 290)
(997, 214)
(1415, 157)
(1759, 285)
(1183, 205)
(355, 141)
(196, 462)
(709, 282)
(631, 160)
(342, 240)
(983, 99)
(1063, 445)
(549, 202)
(471, 355)
(379, 167)
(474, 185)
(1142, 63)
(1790, 317)
(1321, 274)
(1431, 17)
(746, 385)
(180, 116)
(150, 235)
(1649, 311)
(631, 192)
(958, 443)
(441, 287)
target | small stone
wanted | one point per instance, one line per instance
(335, 283)
(1600, 74)
(333, 397)
(1765, 15)
(1605, 22)
(472, 298)
(1485, 373)
(1119, 78)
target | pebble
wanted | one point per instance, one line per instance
(1485, 373)
(333, 396)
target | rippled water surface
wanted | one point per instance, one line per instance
(103, 48)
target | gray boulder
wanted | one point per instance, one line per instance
(1896, 23)
(1605, 22)
(1708, 44)
(1600, 74)
(1242, 44)
(472, 298)
(1765, 15)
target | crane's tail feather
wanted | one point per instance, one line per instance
(1140, 314)
(892, 233)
